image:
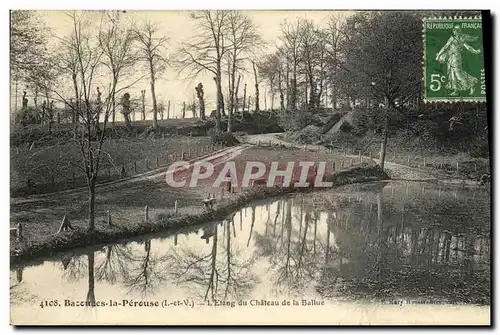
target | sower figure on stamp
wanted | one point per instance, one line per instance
(451, 55)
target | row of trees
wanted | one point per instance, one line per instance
(224, 45)
(99, 63)
(369, 56)
(364, 56)
(89, 59)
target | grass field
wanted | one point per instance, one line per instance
(50, 169)
(139, 124)
(41, 216)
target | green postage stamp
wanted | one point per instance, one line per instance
(453, 60)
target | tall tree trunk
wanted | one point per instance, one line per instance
(201, 100)
(280, 89)
(229, 120)
(244, 96)
(319, 94)
(265, 99)
(49, 112)
(15, 101)
(91, 213)
(256, 87)
(91, 291)
(383, 146)
(153, 96)
(236, 100)
(218, 111)
(113, 106)
(230, 110)
(143, 97)
(168, 110)
(294, 89)
(35, 101)
(287, 87)
(312, 92)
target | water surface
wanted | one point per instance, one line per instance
(363, 245)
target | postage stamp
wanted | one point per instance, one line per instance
(453, 60)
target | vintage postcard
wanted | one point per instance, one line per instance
(224, 167)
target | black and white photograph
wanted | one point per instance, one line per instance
(250, 167)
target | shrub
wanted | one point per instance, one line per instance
(226, 139)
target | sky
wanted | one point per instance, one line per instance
(179, 27)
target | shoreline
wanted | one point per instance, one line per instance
(67, 241)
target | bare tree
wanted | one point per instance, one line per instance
(116, 44)
(243, 39)
(391, 72)
(332, 48)
(200, 94)
(89, 57)
(151, 51)
(291, 51)
(256, 87)
(270, 72)
(205, 53)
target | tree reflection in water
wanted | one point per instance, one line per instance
(292, 253)
(432, 249)
(372, 244)
(222, 273)
(115, 265)
(141, 272)
(147, 271)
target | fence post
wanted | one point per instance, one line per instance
(135, 166)
(424, 162)
(109, 217)
(146, 213)
(156, 162)
(350, 162)
(175, 207)
(19, 232)
(475, 167)
(457, 167)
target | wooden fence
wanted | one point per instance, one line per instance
(76, 178)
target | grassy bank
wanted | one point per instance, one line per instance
(402, 148)
(46, 244)
(49, 169)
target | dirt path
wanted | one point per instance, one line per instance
(123, 196)
(394, 170)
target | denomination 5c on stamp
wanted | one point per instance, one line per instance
(453, 60)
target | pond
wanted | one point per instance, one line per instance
(361, 245)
